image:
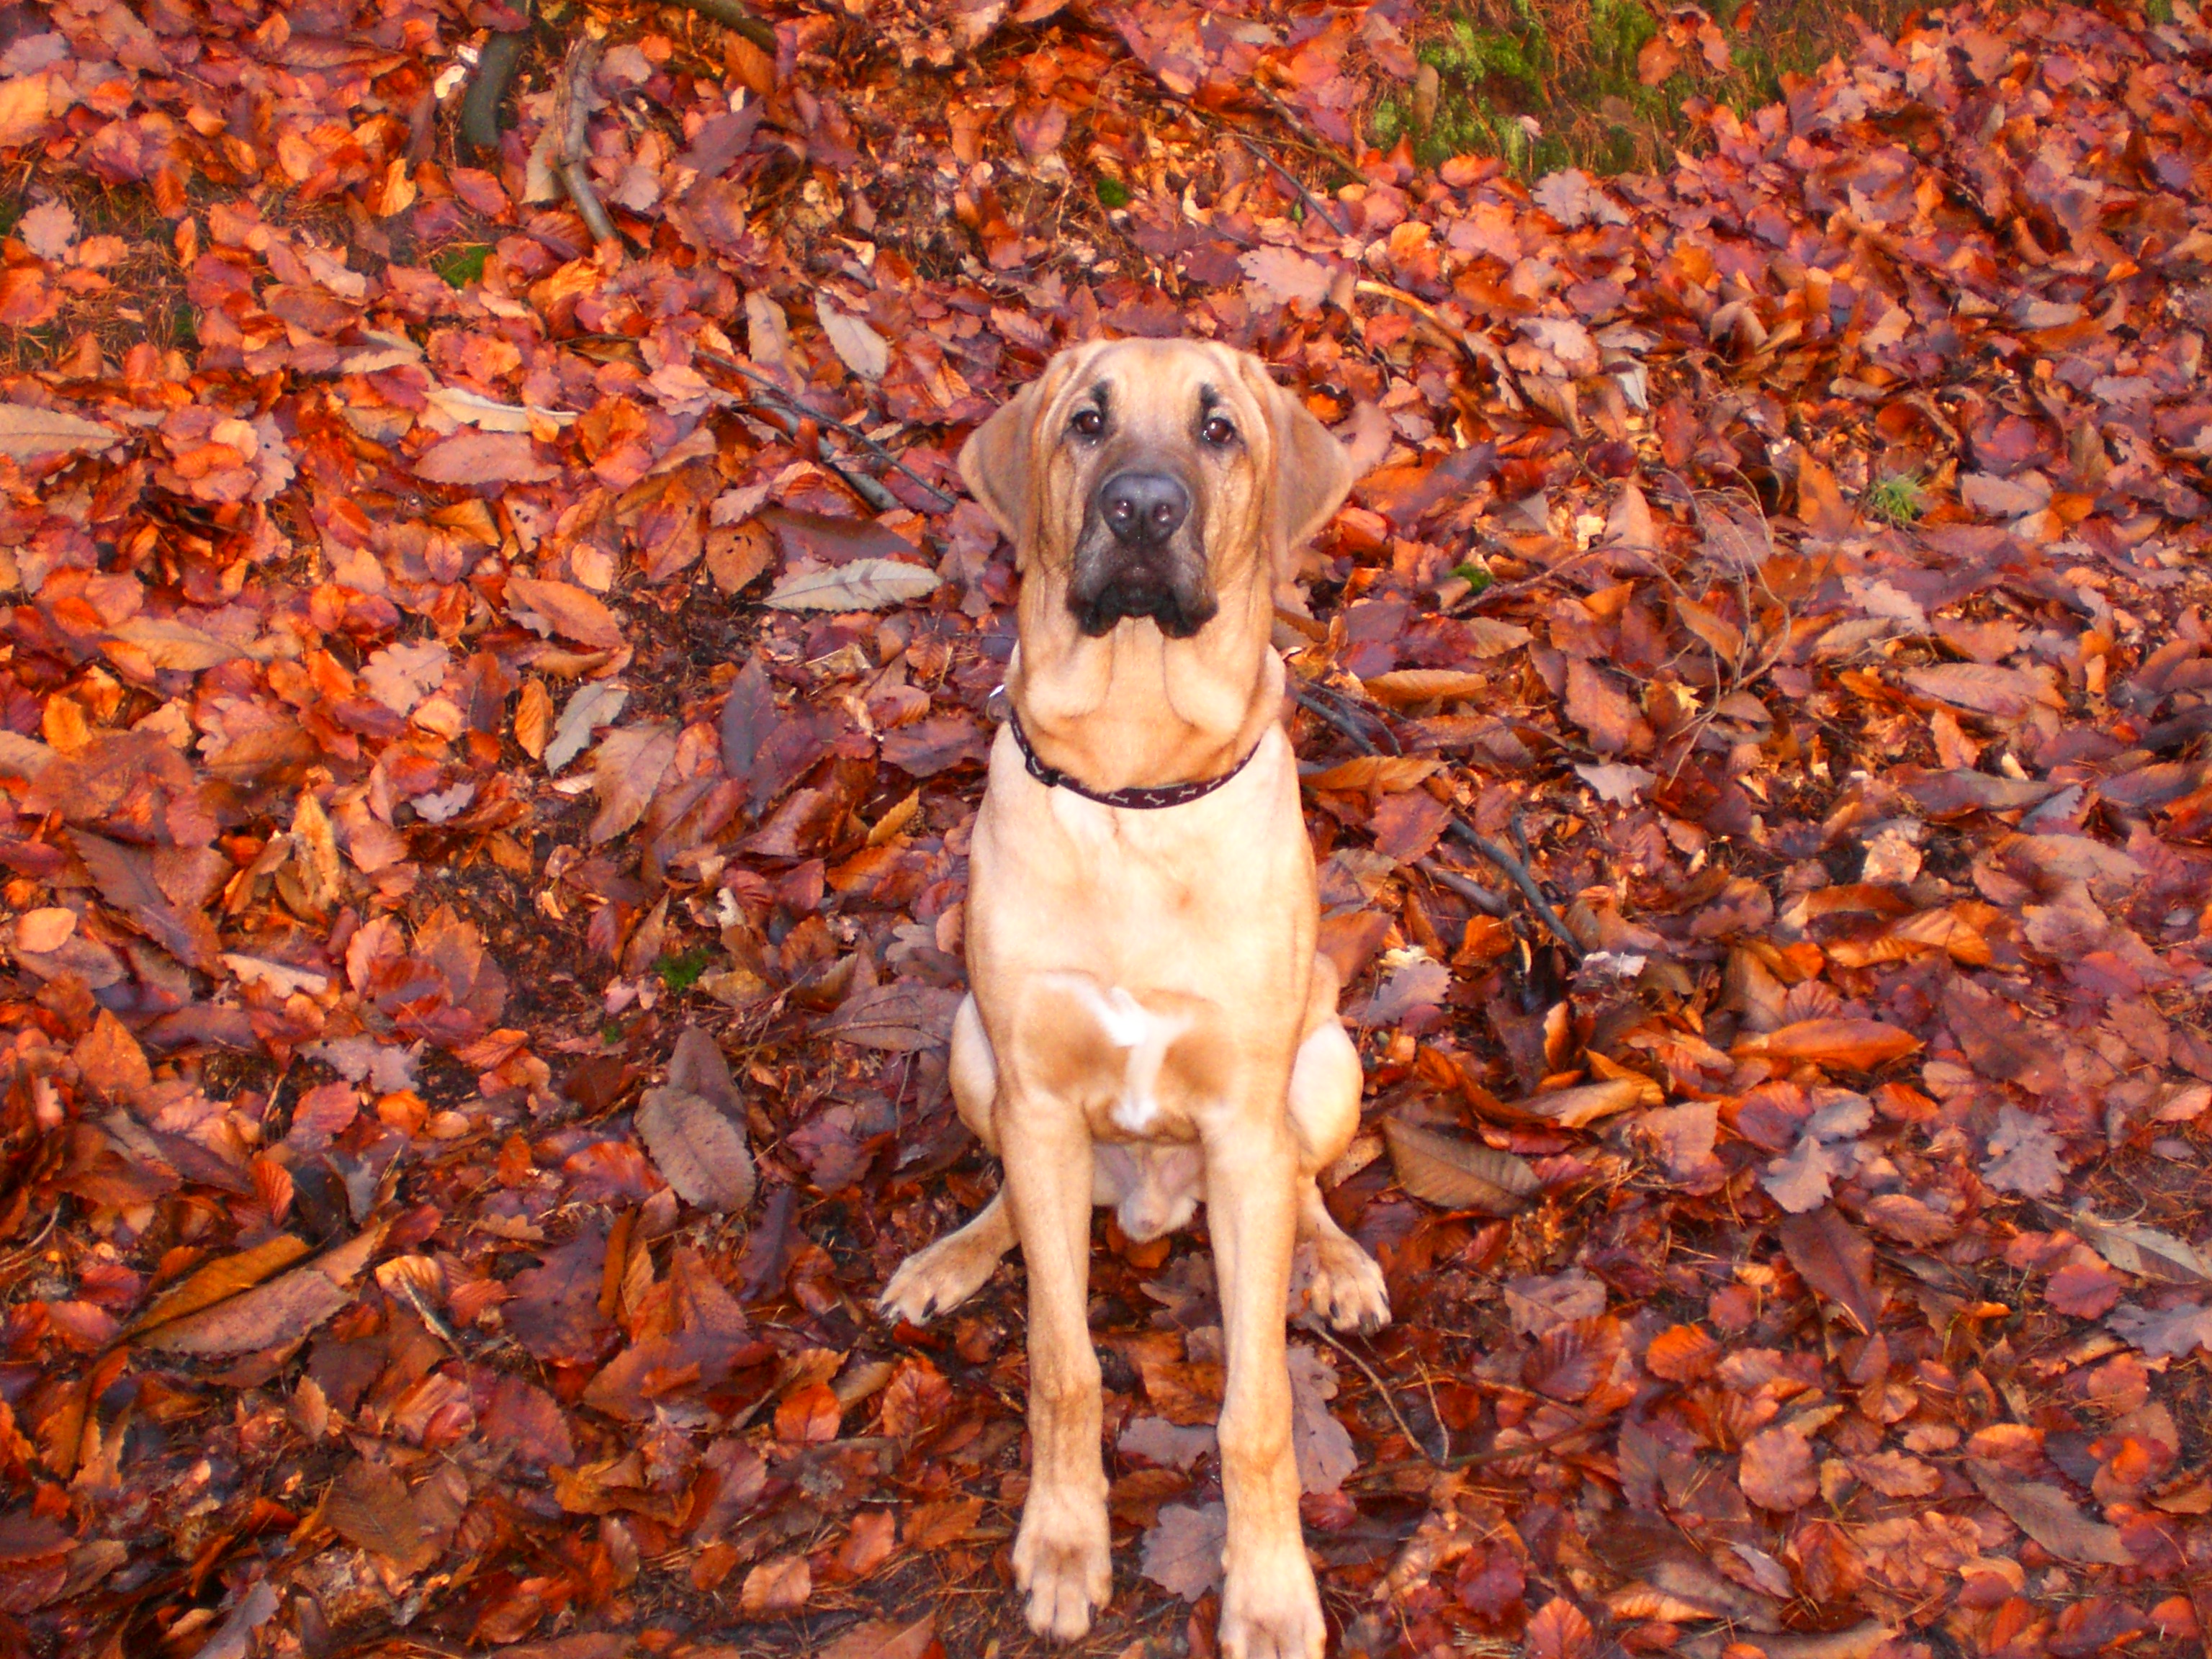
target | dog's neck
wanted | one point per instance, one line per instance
(1133, 708)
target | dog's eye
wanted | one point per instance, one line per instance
(1089, 422)
(1219, 430)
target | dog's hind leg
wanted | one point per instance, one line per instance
(1346, 1288)
(942, 1276)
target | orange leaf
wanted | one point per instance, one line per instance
(1858, 1044)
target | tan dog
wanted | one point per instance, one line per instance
(1149, 1027)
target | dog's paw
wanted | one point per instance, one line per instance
(938, 1280)
(1063, 1558)
(1270, 1609)
(1346, 1288)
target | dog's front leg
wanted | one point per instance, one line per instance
(1269, 1606)
(1063, 1552)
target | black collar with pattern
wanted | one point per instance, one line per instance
(1147, 798)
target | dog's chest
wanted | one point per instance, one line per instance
(1131, 958)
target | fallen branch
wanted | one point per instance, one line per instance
(575, 117)
(1295, 183)
(1515, 870)
(734, 17)
(1487, 900)
(1479, 351)
(495, 66)
(1441, 1462)
(776, 398)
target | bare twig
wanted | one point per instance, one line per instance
(1388, 1398)
(1340, 712)
(1479, 351)
(1515, 870)
(776, 398)
(1295, 183)
(1487, 900)
(576, 111)
(496, 67)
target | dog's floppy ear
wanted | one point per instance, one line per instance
(1312, 472)
(996, 462)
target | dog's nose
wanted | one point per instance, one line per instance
(1144, 507)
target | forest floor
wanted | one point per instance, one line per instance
(450, 658)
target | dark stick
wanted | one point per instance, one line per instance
(1295, 183)
(1514, 868)
(1518, 873)
(495, 66)
(776, 398)
(736, 19)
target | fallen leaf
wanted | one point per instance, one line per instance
(1835, 1259)
(218, 1281)
(862, 585)
(1322, 1448)
(1182, 1551)
(862, 350)
(1776, 1469)
(593, 706)
(26, 432)
(281, 1310)
(2048, 1516)
(626, 768)
(1855, 1044)
(2023, 1156)
(483, 459)
(567, 609)
(1456, 1174)
(701, 1152)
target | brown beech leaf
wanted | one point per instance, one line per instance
(862, 585)
(1405, 686)
(898, 1019)
(1457, 1174)
(626, 768)
(2048, 1516)
(1183, 1550)
(475, 458)
(26, 432)
(1560, 1629)
(1836, 1258)
(780, 1585)
(281, 1310)
(879, 1638)
(2143, 1251)
(568, 610)
(699, 1150)
(864, 351)
(1594, 704)
(1381, 774)
(1682, 1353)
(224, 1277)
(1776, 1469)
(368, 1506)
(1585, 1103)
(1856, 1044)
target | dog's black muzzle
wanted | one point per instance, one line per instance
(1133, 561)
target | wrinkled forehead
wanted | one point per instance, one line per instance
(1160, 388)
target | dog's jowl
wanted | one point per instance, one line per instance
(1149, 1027)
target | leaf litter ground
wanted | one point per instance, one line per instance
(454, 668)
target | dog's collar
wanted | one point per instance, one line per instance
(1143, 798)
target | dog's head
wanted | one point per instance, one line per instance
(1148, 476)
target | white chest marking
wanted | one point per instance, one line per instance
(1129, 1024)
